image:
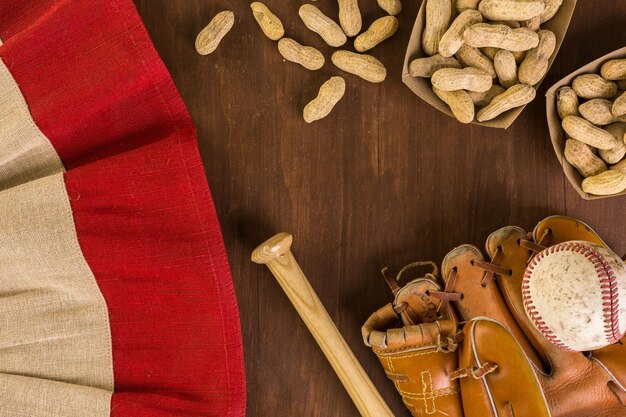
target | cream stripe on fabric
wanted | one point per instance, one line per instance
(54, 324)
(24, 396)
(25, 153)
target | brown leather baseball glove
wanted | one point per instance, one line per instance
(461, 345)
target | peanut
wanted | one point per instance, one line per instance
(593, 86)
(506, 68)
(614, 69)
(550, 9)
(500, 36)
(516, 96)
(510, 9)
(323, 25)
(350, 17)
(582, 130)
(606, 183)
(566, 102)
(581, 157)
(533, 24)
(463, 5)
(426, 67)
(535, 65)
(329, 94)
(491, 52)
(270, 24)
(452, 40)
(459, 102)
(210, 37)
(620, 166)
(471, 79)
(364, 66)
(619, 106)
(379, 30)
(438, 15)
(519, 56)
(597, 111)
(307, 56)
(472, 57)
(393, 7)
(615, 154)
(483, 99)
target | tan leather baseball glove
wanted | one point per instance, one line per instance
(461, 345)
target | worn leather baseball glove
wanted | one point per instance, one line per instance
(461, 345)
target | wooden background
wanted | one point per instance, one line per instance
(384, 180)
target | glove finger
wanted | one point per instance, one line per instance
(611, 360)
(497, 378)
(503, 247)
(480, 297)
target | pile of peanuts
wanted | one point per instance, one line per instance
(596, 128)
(487, 54)
(335, 35)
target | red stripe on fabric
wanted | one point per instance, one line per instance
(142, 209)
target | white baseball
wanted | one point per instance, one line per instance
(575, 294)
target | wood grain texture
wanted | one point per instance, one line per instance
(384, 180)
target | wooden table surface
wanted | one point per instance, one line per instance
(383, 181)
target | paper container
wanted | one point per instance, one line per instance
(557, 134)
(423, 88)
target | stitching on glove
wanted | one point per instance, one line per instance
(474, 372)
(608, 284)
(443, 392)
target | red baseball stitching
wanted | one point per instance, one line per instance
(608, 284)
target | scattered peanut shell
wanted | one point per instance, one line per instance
(350, 17)
(438, 16)
(607, 183)
(463, 5)
(619, 106)
(617, 153)
(506, 68)
(500, 36)
(516, 96)
(323, 25)
(510, 9)
(535, 65)
(379, 30)
(329, 94)
(550, 9)
(426, 67)
(270, 23)
(361, 65)
(471, 79)
(459, 102)
(473, 57)
(393, 7)
(452, 40)
(582, 130)
(484, 98)
(307, 56)
(597, 111)
(581, 157)
(614, 69)
(210, 37)
(593, 86)
(566, 102)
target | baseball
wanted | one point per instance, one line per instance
(575, 294)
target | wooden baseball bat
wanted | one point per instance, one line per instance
(276, 254)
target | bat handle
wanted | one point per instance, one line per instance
(276, 254)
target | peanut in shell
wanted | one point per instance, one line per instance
(392, 7)
(426, 67)
(506, 68)
(516, 96)
(329, 95)
(470, 79)
(511, 9)
(550, 9)
(614, 69)
(584, 131)
(270, 24)
(323, 25)
(438, 16)
(591, 86)
(459, 102)
(484, 98)
(619, 106)
(452, 40)
(535, 65)
(380, 30)
(597, 111)
(365, 66)
(350, 17)
(307, 56)
(483, 35)
(617, 153)
(581, 157)
(606, 183)
(566, 102)
(473, 57)
(210, 37)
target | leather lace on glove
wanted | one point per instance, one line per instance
(462, 345)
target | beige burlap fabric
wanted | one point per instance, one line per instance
(54, 326)
(25, 153)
